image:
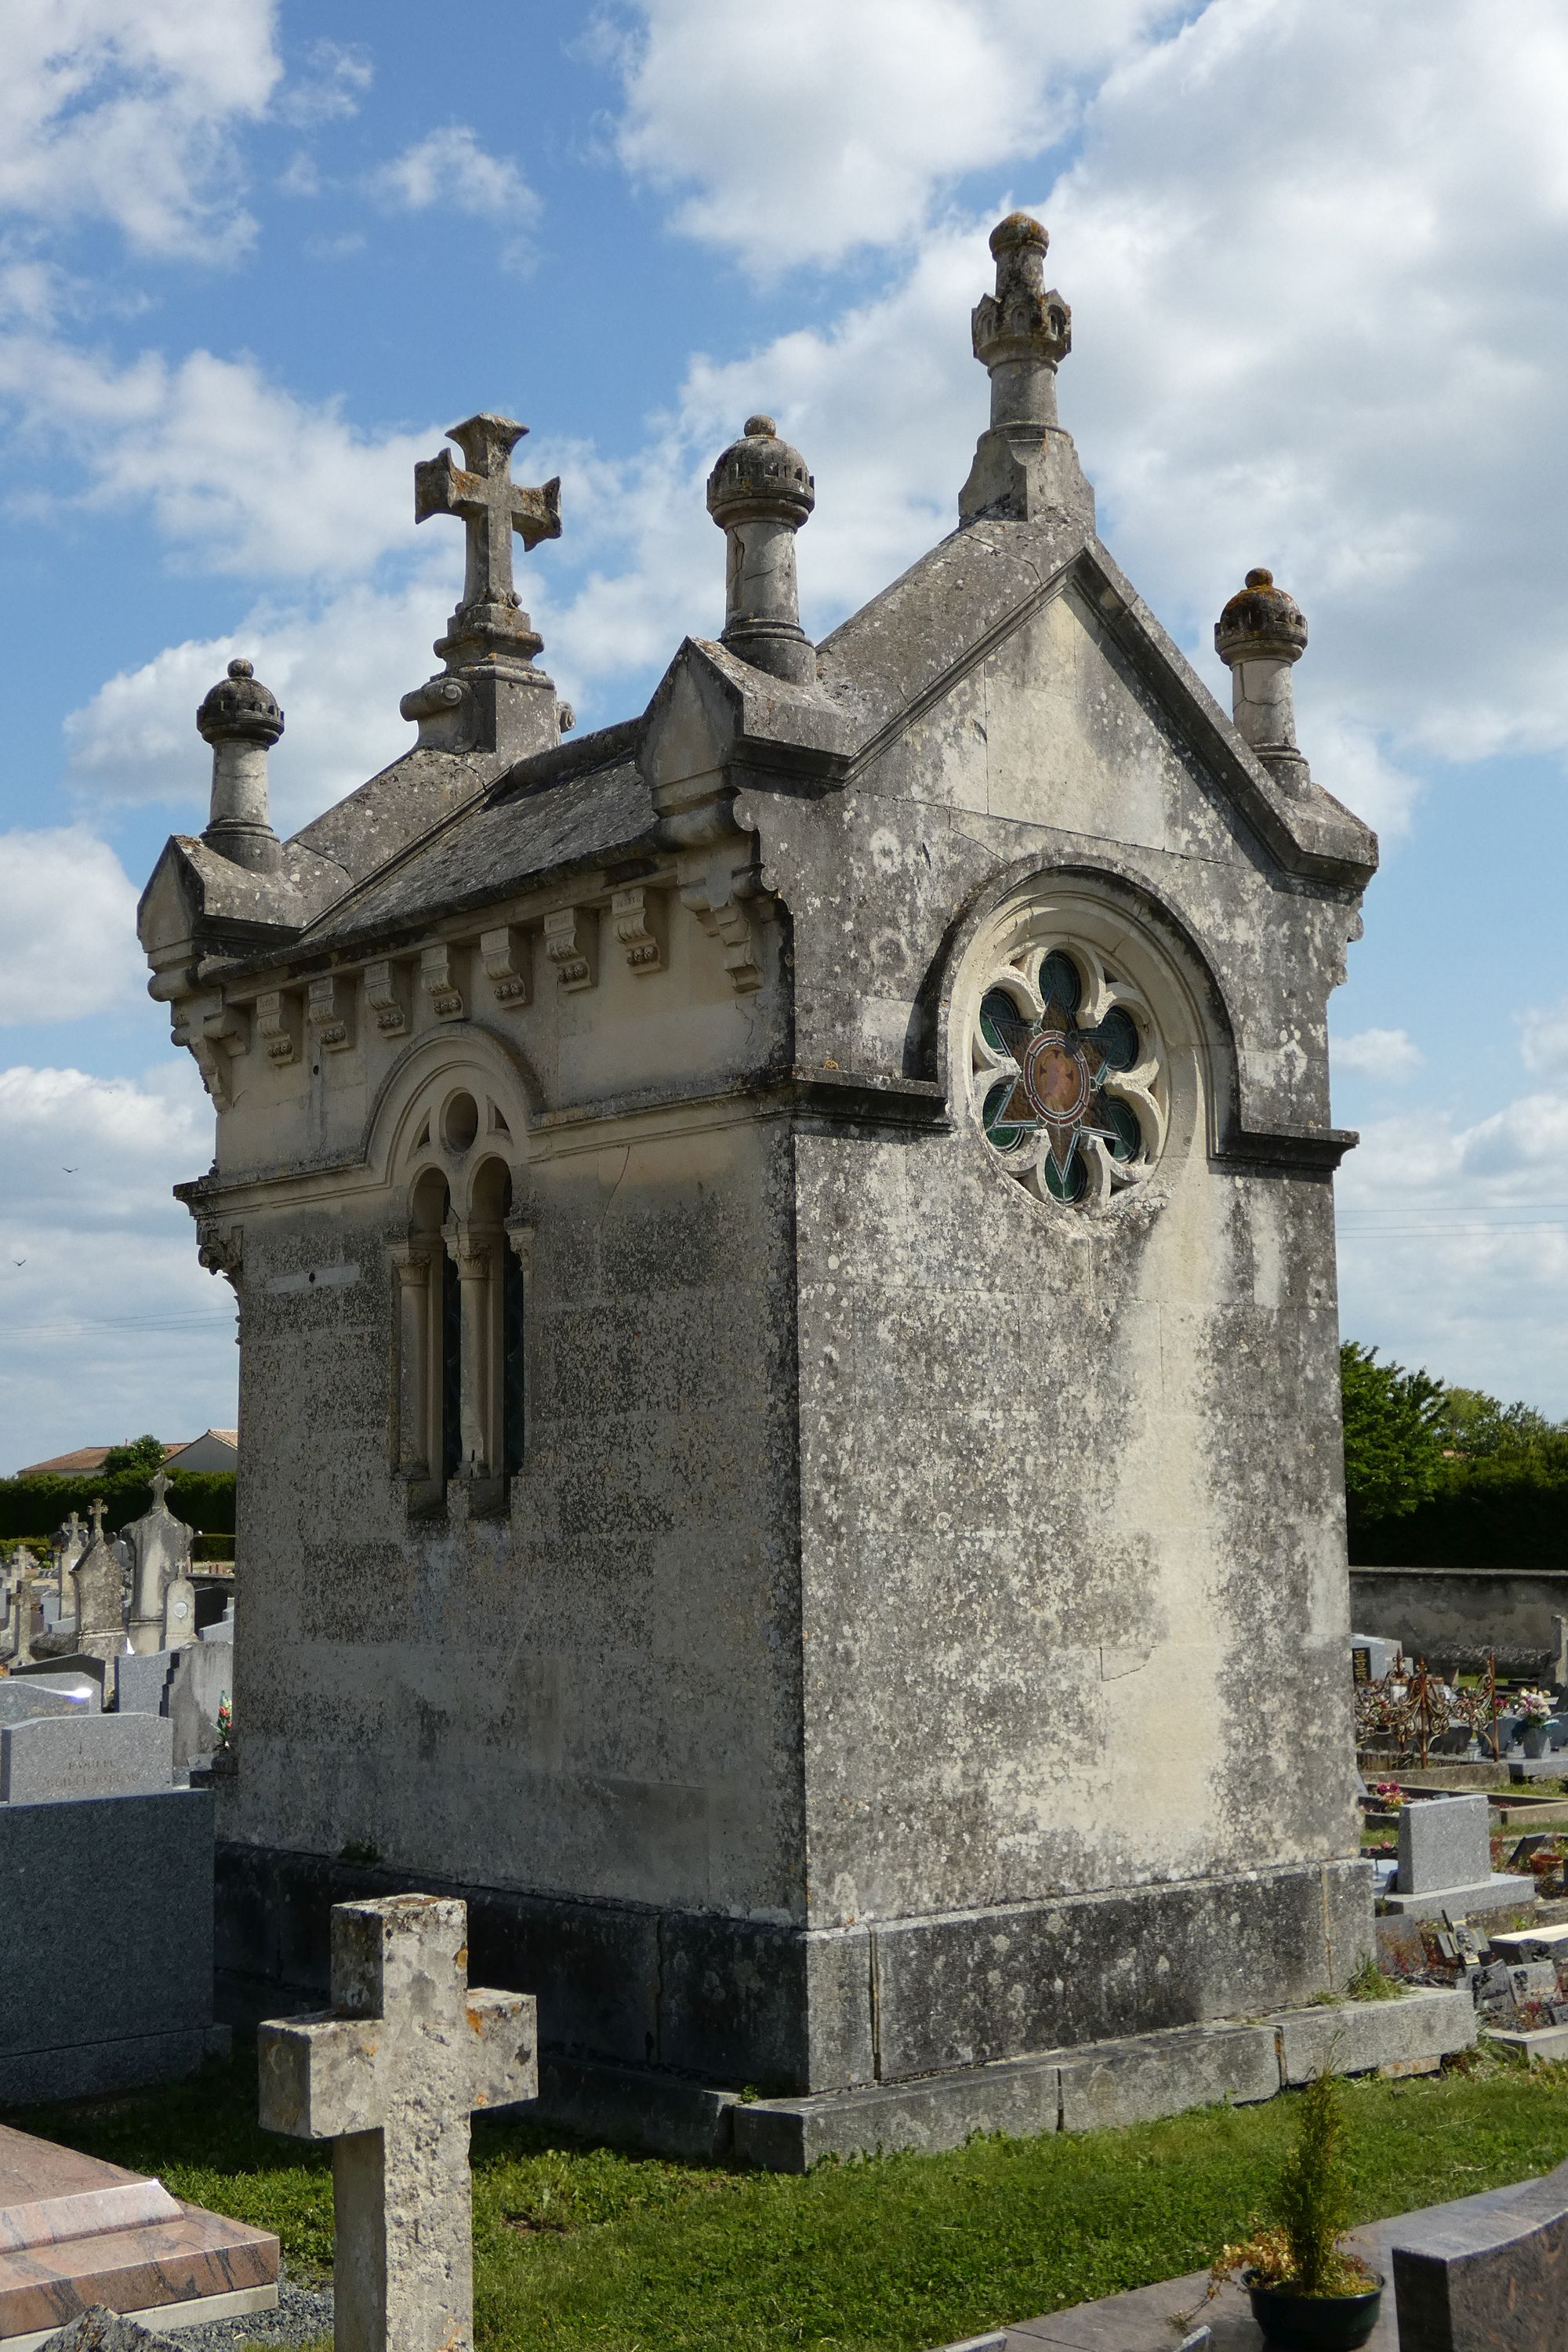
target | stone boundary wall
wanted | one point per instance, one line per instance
(1453, 1616)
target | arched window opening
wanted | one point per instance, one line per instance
(512, 1333)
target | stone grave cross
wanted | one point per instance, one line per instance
(390, 2075)
(491, 504)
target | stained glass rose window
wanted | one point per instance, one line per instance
(1066, 1074)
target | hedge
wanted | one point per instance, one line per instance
(1492, 1514)
(36, 1506)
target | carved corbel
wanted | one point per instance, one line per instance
(441, 978)
(221, 1249)
(213, 1033)
(327, 1010)
(507, 960)
(384, 995)
(571, 944)
(637, 914)
(716, 869)
(278, 1024)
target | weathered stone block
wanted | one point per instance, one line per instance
(1353, 2036)
(1159, 2074)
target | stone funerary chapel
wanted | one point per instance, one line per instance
(789, 1417)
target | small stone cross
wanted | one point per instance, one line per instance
(390, 2075)
(491, 504)
(160, 1488)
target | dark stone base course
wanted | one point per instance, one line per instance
(779, 2010)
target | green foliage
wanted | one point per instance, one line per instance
(1369, 1983)
(1313, 2197)
(1496, 1493)
(36, 1507)
(142, 1453)
(580, 2249)
(1394, 1435)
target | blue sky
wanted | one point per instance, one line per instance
(254, 259)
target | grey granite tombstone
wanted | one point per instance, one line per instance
(52, 1757)
(203, 1678)
(161, 1553)
(116, 1894)
(142, 1682)
(24, 1696)
(1444, 1860)
(179, 1613)
(99, 1624)
(1487, 2280)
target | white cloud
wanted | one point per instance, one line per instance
(237, 472)
(337, 667)
(804, 139)
(67, 927)
(124, 110)
(329, 88)
(1390, 1054)
(1454, 1247)
(451, 167)
(1544, 1039)
(108, 1326)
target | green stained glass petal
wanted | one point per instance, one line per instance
(1122, 1120)
(1073, 1186)
(1116, 1038)
(1002, 1025)
(1059, 983)
(1005, 1137)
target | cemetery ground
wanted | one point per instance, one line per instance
(579, 2245)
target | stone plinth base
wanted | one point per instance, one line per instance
(1501, 1892)
(1124, 2082)
(724, 2002)
(1542, 2045)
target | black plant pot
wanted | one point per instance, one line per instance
(1315, 2323)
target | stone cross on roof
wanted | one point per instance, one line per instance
(390, 2075)
(491, 504)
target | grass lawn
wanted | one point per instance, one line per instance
(580, 2246)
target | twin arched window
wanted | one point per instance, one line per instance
(461, 1323)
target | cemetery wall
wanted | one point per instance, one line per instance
(1434, 1610)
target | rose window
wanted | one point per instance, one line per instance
(1066, 1076)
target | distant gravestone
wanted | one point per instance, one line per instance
(179, 1622)
(70, 1542)
(160, 1547)
(99, 1627)
(52, 1757)
(141, 1683)
(23, 1697)
(390, 2077)
(202, 1678)
(1444, 1860)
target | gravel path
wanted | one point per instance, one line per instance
(302, 2313)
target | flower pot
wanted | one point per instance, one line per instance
(1535, 1739)
(1315, 2323)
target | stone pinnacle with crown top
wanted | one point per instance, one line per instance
(1024, 465)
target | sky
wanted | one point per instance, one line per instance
(254, 259)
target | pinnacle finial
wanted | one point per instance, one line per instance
(1024, 465)
(759, 493)
(241, 720)
(1259, 637)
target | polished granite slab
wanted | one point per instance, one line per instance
(75, 2230)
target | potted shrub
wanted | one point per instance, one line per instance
(1307, 2292)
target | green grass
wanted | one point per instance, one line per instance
(579, 2247)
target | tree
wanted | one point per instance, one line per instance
(1481, 1428)
(144, 1453)
(1394, 1434)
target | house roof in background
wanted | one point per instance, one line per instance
(87, 1458)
